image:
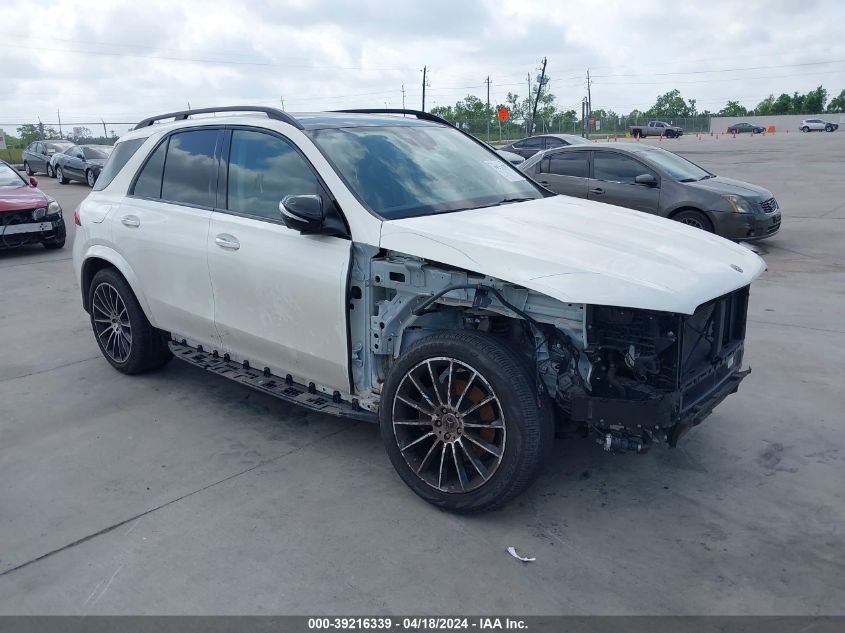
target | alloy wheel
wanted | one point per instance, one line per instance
(111, 322)
(449, 425)
(90, 178)
(692, 222)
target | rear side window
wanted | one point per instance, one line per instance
(119, 157)
(263, 169)
(535, 142)
(148, 183)
(190, 170)
(566, 164)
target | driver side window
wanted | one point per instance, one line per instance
(263, 169)
(613, 167)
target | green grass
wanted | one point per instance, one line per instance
(12, 156)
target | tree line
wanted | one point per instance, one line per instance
(472, 114)
(30, 132)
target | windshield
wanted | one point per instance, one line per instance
(58, 146)
(678, 168)
(412, 170)
(9, 177)
(96, 152)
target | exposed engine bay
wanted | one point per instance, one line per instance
(627, 377)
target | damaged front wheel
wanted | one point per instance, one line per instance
(461, 423)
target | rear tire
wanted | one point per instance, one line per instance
(695, 219)
(125, 337)
(828, 128)
(476, 438)
(60, 175)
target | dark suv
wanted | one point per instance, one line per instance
(37, 155)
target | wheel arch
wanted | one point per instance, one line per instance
(99, 257)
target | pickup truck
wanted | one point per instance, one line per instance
(656, 128)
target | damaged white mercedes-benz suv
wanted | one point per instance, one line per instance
(383, 265)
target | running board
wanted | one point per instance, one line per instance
(282, 388)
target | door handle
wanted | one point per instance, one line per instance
(229, 242)
(597, 190)
(131, 221)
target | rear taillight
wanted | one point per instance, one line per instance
(76, 219)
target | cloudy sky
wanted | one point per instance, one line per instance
(123, 60)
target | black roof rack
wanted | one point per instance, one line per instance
(425, 116)
(181, 115)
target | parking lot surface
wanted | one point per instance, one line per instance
(179, 492)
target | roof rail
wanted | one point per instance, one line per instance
(425, 116)
(181, 115)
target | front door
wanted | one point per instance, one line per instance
(613, 182)
(279, 296)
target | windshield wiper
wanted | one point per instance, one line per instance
(706, 177)
(511, 201)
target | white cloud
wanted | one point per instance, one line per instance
(120, 61)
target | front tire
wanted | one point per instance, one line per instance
(90, 178)
(461, 423)
(60, 175)
(828, 128)
(50, 172)
(28, 169)
(805, 129)
(695, 219)
(125, 337)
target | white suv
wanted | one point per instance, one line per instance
(810, 125)
(383, 265)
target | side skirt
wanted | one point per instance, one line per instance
(282, 388)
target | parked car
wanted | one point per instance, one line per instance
(656, 181)
(27, 214)
(817, 125)
(36, 157)
(81, 162)
(739, 128)
(511, 157)
(656, 128)
(397, 270)
(527, 147)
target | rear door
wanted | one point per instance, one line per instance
(565, 172)
(161, 229)
(612, 181)
(280, 296)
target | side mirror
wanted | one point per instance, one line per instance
(303, 213)
(33, 181)
(646, 179)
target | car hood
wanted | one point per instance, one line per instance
(725, 186)
(582, 251)
(19, 198)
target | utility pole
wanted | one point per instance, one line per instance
(58, 114)
(105, 133)
(539, 90)
(403, 96)
(527, 130)
(589, 103)
(425, 70)
(488, 108)
(282, 98)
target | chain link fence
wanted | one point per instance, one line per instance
(497, 132)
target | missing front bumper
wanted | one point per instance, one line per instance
(660, 416)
